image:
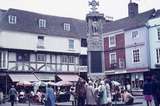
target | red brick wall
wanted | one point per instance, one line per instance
(119, 49)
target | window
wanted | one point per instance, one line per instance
(158, 30)
(121, 63)
(136, 56)
(67, 27)
(23, 57)
(113, 59)
(40, 42)
(71, 44)
(3, 59)
(134, 34)
(83, 42)
(112, 41)
(41, 57)
(71, 59)
(64, 59)
(12, 19)
(42, 23)
(158, 55)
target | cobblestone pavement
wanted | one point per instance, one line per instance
(139, 100)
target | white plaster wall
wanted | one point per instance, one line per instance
(28, 41)
(83, 51)
(154, 42)
(143, 47)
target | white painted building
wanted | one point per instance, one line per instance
(41, 44)
(154, 42)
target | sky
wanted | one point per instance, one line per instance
(78, 8)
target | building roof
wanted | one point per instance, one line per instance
(28, 22)
(128, 22)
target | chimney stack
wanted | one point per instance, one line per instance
(132, 9)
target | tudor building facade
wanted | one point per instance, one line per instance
(32, 43)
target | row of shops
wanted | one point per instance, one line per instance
(8, 79)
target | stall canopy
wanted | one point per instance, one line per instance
(23, 77)
(69, 77)
(45, 77)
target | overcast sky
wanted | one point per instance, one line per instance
(78, 8)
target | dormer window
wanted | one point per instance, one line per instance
(134, 34)
(67, 27)
(12, 19)
(42, 23)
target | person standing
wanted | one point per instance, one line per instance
(13, 95)
(50, 97)
(102, 94)
(109, 97)
(81, 92)
(72, 95)
(147, 91)
(156, 91)
(90, 95)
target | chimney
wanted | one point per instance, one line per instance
(132, 9)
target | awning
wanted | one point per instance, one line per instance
(45, 77)
(69, 77)
(23, 77)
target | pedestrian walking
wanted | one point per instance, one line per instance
(13, 95)
(147, 91)
(50, 97)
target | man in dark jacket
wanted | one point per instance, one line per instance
(156, 91)
(13, 95)
(81, 92)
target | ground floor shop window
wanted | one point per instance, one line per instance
(137, 80)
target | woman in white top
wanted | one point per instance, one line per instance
(72, 95)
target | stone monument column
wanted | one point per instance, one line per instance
(95, 42)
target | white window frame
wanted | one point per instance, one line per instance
(133, 56)
(114, 41)
(12, 19)
(158, 56)
(71, 44)
(110, 58)
(41, 57)
(67, 27)
(134, 34)
(3, 59)
(158, 33)
(42, 23)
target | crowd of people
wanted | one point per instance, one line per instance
(100, 93)
(96, 93)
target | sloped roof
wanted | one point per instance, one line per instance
(28, 22)
(128, 22)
